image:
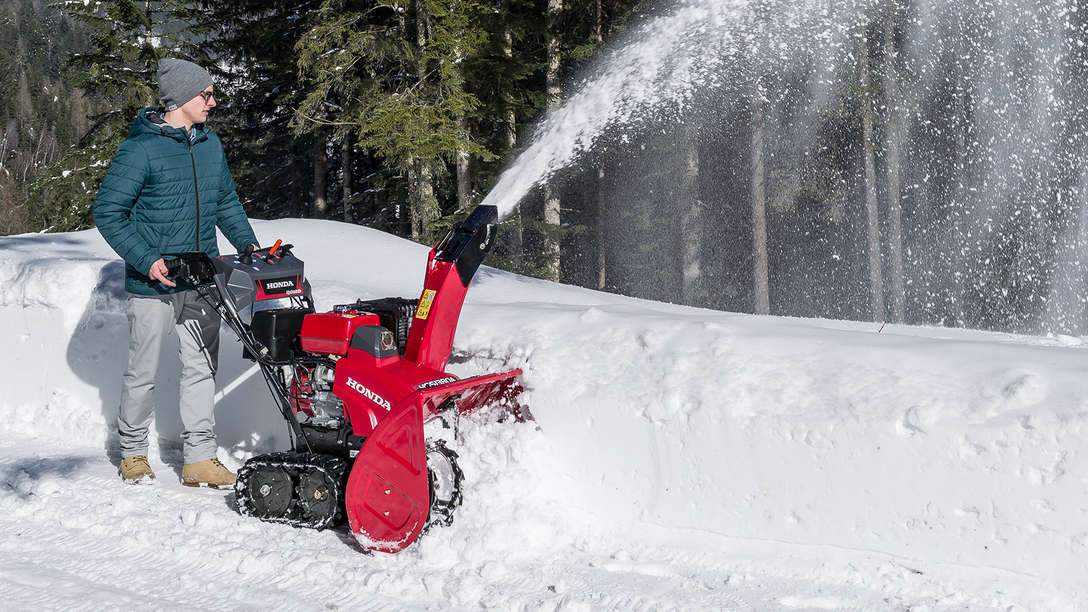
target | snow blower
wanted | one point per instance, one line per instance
(356, 385)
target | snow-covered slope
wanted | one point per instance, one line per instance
(683, 458)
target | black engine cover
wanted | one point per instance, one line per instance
(394, 313)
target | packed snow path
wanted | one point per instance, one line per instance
(75, 539)
(681, 458)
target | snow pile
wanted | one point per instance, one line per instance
(930, 466)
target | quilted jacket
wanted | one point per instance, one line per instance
(165, 192)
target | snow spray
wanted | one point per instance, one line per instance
(989, 106)
(664, 62)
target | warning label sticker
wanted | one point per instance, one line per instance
(425, 301)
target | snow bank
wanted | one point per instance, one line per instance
(941, 447)
(966, 450)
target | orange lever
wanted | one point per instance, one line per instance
(272, 251)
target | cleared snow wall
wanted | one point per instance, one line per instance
(968, 449)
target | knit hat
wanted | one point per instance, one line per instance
(180, 81)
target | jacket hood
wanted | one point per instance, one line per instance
(149, 121)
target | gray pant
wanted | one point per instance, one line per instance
(151, 319)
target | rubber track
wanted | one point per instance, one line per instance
(296, 463)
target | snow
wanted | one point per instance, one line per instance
(680, 459)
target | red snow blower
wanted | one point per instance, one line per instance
(356, 385)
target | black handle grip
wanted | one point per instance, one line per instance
(193, 267)
(175, 267)
(247, 255)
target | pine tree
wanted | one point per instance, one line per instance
(503, 76)
(389, 78)
(118, 68)
(35, 124)
(256, 72)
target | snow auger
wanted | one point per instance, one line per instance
(356, 385)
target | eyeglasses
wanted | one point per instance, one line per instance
(207, 95)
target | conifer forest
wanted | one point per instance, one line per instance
(893, 161)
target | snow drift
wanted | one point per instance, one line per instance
(944, 448)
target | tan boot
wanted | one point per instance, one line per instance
(136, 470)
(209, 473)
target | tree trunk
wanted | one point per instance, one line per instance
(602, 230)
(149, 36)
(321, 171)
(598, 22)
(599, 196)
(414, 210)
(464, 176)
(515, 230)
(299, 200)
(423, 25)
(691, 229)
(876, 282)
(424, 204)
(958, 256)
(77, 115)
(349, 186)
(510, 125)
(760, 265)
(893, 136)
(552, 223)
(463, 161)
(428, 201)
(551, 196)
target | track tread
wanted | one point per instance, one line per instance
(295, 463)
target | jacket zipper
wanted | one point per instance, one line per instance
(196, 193)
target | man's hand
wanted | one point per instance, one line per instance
(158, 272)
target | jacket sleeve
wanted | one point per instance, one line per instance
(113, 206)
(229, 214)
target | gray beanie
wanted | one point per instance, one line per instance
(180, 81)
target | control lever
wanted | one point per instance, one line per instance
(272, 251)
(277, 251)
(268, 255)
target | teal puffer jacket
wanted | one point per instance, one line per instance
(165, 193)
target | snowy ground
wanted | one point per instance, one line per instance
(682, 459)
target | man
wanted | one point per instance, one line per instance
(165, 192)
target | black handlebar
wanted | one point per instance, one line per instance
(193, 267)
(196, 268)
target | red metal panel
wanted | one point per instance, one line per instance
(329, 333)
(369, 388)
(387, 497)
(431, 337)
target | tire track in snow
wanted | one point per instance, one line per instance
(188, 550)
